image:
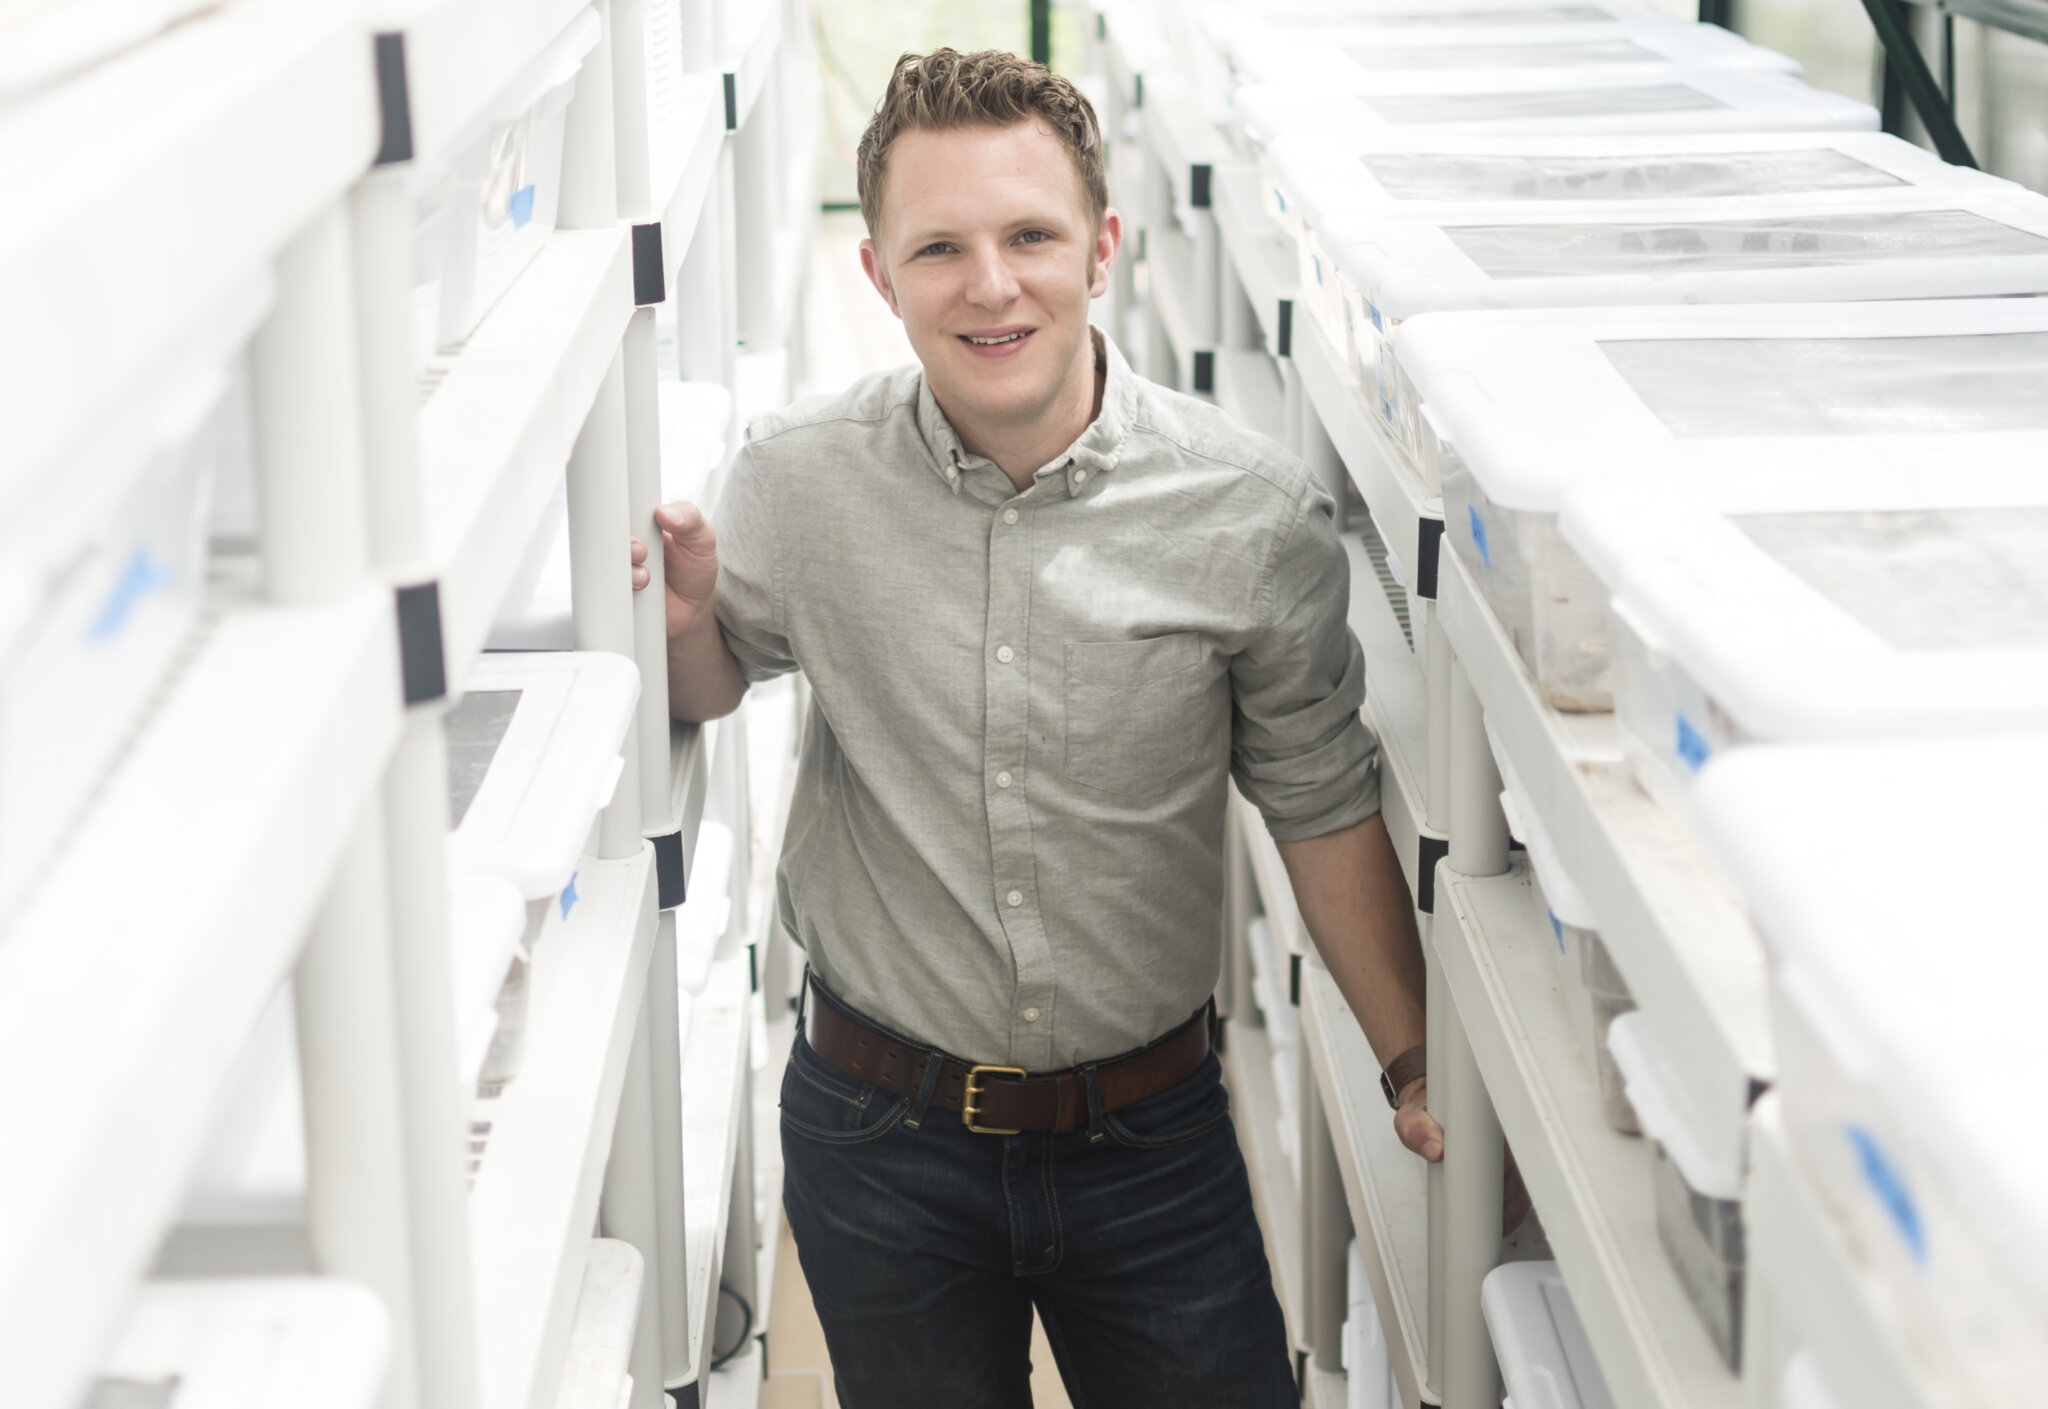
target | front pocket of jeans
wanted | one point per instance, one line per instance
(1194, 1107)
(1136, 713)
(826, 1105)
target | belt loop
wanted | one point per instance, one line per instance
(1094, 1090)
(934, 1068)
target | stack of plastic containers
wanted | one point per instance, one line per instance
(533, 756)
(1889, 882)
(103, 557)
(1546, 1362)
(1522, 412)
(485, 202)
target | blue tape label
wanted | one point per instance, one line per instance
(569, 895)
(1280, 196)
(142, 577)
(1558, 930)
(1372, 311)
(1317, 261)
(1692, 746)
(1479, 536)
(1889, 1185)
(521, 206)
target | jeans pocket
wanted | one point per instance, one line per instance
(823, 1103)
(1181, 1112)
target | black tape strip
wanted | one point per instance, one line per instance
(1137, 90)
(1101, 25)
(421, 660)
(685, 1396)
(1286, 339)
(1428, 851)
(1198, 184)
(732, 102)
(650, 281)
(1294, 979)
(670, 887)
(1429, 537)
(1205, 372)
(394, 107)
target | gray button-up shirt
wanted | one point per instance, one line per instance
(1006, 837)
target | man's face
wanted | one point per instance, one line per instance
(989, 254)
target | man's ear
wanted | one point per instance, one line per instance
(1109, 238)
(871, 265)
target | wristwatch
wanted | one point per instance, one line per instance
(1399, 1072)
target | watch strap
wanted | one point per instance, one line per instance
(1402, 1070)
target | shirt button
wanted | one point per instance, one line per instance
(1080, 477)
(1031, 1015)
(1009, 516)
(1002, 780)
(952, 472)
(1005, 654)
(1015, 898)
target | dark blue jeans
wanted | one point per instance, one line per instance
(926, 1247)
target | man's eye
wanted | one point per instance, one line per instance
(1034, 237)
(940, 248)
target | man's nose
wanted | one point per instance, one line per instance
(991, 285)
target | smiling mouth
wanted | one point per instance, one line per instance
(996, 342)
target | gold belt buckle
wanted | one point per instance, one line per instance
(970, 1099)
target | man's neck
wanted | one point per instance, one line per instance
(1021, 449)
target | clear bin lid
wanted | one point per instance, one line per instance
(1846, 602)
(533, 753)
(1484, 17)
(1528, 103)
(1415, 176)
(1888, 883)
(1537, 402)
(1372, 57)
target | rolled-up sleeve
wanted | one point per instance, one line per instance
(1299, 751)
(750, 599)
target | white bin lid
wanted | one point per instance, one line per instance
(1891, 885)
(1766, 249)
(1839, 603)
(1224, 20)
(486, 919)
(1320, 172)
(1519, 103)
(1711, 1166)
(1546, 1362)
(1567, 902)
(533, 756)
(1538, 403)
(1361, 58)
(249, 1343)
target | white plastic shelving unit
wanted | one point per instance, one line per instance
(281, 809)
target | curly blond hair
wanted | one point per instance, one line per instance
(946, 89)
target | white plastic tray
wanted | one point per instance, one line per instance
(1546, 1362)
(554, 765)
(1837, 604)
(1522, 409)
(253, 1343)
(1510, 103)
(1892, 885)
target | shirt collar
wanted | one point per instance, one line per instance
(1097, 451)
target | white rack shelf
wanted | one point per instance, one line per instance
(702, 108)
(133, 209)
(142, 961)
(460, 54)
(715, 1065)
(1591, 1184)
(600, 1346)
(1248, 1071)
(1814, 1283)
(535, 1198)
(750, 58)
(1396, 700)
(496, 433)
(1259, 252)
(1384, 1185)
(1672, 923)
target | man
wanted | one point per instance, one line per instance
(1048, 611)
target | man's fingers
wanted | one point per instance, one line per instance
(640, 577)
(681, 518)
(1419, 1131)
(639, 552)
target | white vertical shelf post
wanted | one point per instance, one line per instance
(1325, 1230)
(415, 803)
(1465, 1189)
(665, 1071)
(756, 174)
(629, 1212)
(314, 536)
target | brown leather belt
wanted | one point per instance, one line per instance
(997, 1100)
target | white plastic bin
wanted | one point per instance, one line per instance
(1696, 1180)
(533, 756)
(1311, 177)
(484, 204)
(252, 1343)
(1838, 605)
(103, 559)
(1587, 977)
(1368, 1369)
(43, 44)
(1536, 405)
(1892, 885)
(1546, 1362)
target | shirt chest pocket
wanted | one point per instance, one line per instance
(1136, 713)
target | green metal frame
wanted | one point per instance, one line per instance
(1907, 67)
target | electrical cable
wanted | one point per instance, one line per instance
(719, 1362)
